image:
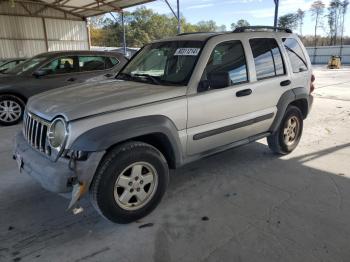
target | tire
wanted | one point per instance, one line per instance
(11, 110)
(116, 180)
(287, 137)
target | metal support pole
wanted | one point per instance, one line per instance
(45, 35)
(277, 2)
(124, 37)
(177, 14)
(178, 18)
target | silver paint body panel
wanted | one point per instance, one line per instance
(89, 106)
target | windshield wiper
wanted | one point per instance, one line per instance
(152, 78)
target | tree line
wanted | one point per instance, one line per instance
(334, 16)
(144, 25)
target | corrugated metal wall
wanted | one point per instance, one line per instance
(66, 35)
(23, 35)
(321, 54)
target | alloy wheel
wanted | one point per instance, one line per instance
(10, 111)
(135, 186)
(291, 130)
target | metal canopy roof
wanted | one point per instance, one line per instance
(83, 8)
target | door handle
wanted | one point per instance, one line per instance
(244, 92)
(285, 83)
(72, 79)
(108, 75)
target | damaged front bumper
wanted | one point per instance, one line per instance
(60, 176)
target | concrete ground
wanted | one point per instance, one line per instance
(242, 205)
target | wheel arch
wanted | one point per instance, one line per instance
(158, 131)
(302, 104)
(298, 97)
(11, 93)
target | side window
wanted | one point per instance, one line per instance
(9, 65)
(295, 54)
(91, 63)
(111, 62)
(62, 65)
(267, 58)
(227, 65)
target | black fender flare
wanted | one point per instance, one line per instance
(285, 100)
(103, 137)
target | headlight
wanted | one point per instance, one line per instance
(57, 133)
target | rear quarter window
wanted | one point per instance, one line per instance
(295, 54)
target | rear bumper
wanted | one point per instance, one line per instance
(54, 176)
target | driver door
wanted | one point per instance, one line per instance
(61, 71)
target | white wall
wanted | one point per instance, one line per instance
(321, 54)
(23, 36)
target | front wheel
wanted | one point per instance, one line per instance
(11, 110)
(130, 182)
(288, 135)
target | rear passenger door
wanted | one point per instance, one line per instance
(271, 77)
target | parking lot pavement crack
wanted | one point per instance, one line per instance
(278, 239)
(284, 201)
(267, 184)
(338, 193)
(227, 240)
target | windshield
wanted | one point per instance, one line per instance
(27, 65)
(167, 63)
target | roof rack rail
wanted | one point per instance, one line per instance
(261, 28)
(193, 33)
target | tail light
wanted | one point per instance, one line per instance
(312, 86)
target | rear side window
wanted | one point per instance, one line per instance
(91, 63)
(228, 58)
(267, 58)
(295, 54)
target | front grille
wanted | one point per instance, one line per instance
(35, 131)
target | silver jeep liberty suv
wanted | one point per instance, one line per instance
(176, 101)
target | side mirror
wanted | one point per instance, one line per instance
(219, 80)
(203, 86)
(41, 72)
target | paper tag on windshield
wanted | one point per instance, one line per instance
(187, 51)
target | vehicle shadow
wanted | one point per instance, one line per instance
(240, 201)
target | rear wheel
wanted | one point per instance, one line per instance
(288, 135)
(130, 182)
(11, 110)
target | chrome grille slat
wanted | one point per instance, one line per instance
(27, 127)
(35, 131)
(41, 138)
(36, 134)
(31, 130)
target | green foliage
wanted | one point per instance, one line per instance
(142, 26)
(240, 23)
(288, 21)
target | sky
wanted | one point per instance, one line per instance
(256, 12)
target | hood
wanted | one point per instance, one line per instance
(74, 102)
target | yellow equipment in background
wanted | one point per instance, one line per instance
(334, 62)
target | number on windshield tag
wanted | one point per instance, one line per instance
(187, 51)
